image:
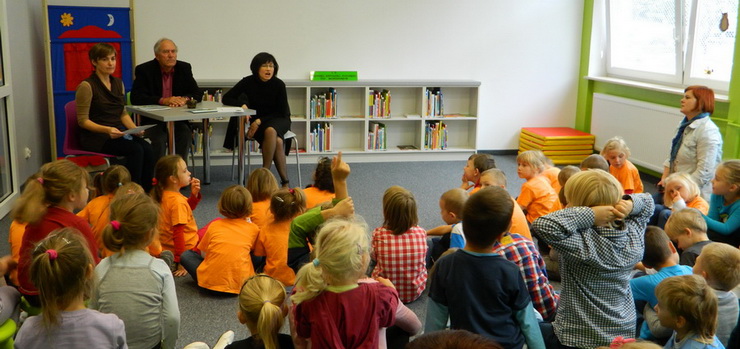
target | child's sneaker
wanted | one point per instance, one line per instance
(225, 339)
(168, 258)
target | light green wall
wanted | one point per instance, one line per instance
(726, 115)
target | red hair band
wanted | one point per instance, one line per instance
(52, 254)
(154, 181)
(115, 224)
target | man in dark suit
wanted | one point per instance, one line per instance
(165, 81)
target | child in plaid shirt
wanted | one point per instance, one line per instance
(400, 246)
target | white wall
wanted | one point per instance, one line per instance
(525, 53)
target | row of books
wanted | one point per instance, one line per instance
(198, 141)
(320, 137)
(379, 103)
(435, 135)
(324, 105)
(435, 103)
(376, 136)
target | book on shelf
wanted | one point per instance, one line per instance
(434, 102)
(198, 139)
(376, 136)
(379, 103)
(320, 138)
(435, 135)
(324, 105)
(407, 147)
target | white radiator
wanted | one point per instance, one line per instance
(646, 127)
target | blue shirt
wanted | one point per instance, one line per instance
(689, 342)
(643, 288)
(723, 222)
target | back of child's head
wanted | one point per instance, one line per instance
(453, 339)
(399, 210)
(129, 188)
(322, 178)
(133, 218)
(108, 181)
(534, 158)
(678, 180)
(731, 171)
(482, 162)
(563, 177)
(493, 177)
(235, 202)
(487, 215)
(685, 218)
(657, 250)
(341, 255)
(690, 297)
(615, 144)
(287, 203)
(261, 302)
(592, 188)
(595, 162)
(721, 263)
(261, 184)
(55, 181)
(166, 167)
(454, 200)
(61, 269)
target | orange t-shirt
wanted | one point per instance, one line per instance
(629, 177)
(700, 204)
(552, 175)
(176, 210)
(261, 212)
(519, 223)
(227, 263)
(314, 196)
(273, 243)
(15, 238)
(475, 189)
(538, 197)
(97, 213)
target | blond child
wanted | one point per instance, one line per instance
(62, 267)
(177, 227)
(599, 237)
(399, 246)
(322, 189)
(550, 172)
(594, 162)
(537, 197)
(723, 219)
(97, 211)
(687, 228)
(688, 305)
(224, 261)
(15, 236)
(680, 192)
(285, 205)
(261, 184)
(496, 178)
(617, 153)
(476, 164)
(450, 209)
(719, 264)
(132, 284)
(262, 308)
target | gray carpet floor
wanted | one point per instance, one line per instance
(205, 316)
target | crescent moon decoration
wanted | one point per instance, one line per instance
(112, 20)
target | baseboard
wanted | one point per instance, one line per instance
(499, 151)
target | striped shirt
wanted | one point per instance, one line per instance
(402, 259)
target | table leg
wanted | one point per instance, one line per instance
(171, 137)
(240, 142)
(206, 153)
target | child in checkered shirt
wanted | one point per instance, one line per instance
(400, 245)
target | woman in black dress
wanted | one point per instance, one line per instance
(265, 93)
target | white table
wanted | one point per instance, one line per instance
(173, 114)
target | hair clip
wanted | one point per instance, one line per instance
(620, 341)
(279, 199)
(316, 262)
(291, 191)
(41, 180)
(116, 225)
(266, 301)
(154, 181)
(66, 241)
(52, 254)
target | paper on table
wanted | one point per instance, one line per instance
(230, 109)
(136, 130)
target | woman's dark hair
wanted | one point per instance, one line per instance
(102, 50)
(260, 59)
(322, 178)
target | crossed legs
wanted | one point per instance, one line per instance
(273, 150)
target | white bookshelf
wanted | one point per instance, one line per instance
(350, 127)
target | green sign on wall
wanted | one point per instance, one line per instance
(334, 76)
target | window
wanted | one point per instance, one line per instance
(675, 42)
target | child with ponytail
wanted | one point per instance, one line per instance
(177, 227)
(47, 204)
(331, 308)
(285, 205)
(62, 267)
(261, 184)
(131, 283)
(262, 308)
(97, 211)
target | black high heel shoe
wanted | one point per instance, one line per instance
(285, 183)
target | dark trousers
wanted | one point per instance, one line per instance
(551, 340)
(159, 137)
(297, 257)
(139, 158)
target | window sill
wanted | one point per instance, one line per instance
(650, 86)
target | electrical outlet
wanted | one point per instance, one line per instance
(27, 152)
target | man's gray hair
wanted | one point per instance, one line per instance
(159, 42)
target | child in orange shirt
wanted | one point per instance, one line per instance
(496, 178)
(537, 197)
(680, 192)
(551, 172)
(616, 152)
(261, 184)
(477, 163)
(97, 211)
(225, 261)
(285, 205)
(322, 189)
(177, 227)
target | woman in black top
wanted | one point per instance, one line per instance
(265, 93)
(102, 117)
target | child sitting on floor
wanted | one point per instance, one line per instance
(688, 305)
(723, 219)
(719, 264)
(550, 172)
(476, 164)
(262, 308)
(450, 205)
(496, 178)
(97, 211)
(680, 192)
(687, 228)
(261, 184)
(322, 189)
(594, 162)
(617, 153)
(537, 197)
